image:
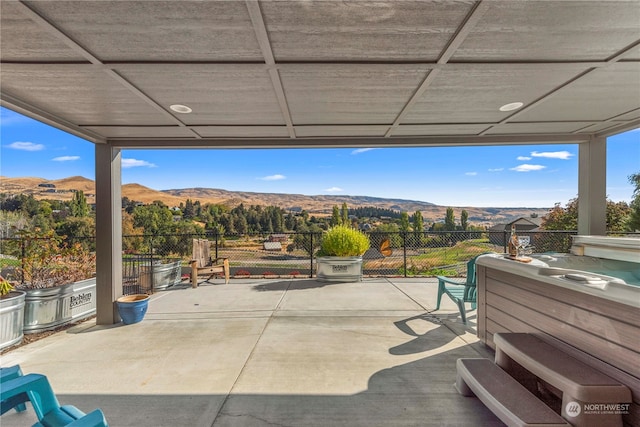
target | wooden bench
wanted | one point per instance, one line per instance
(529, 358)
(203, 263)
(503, 395)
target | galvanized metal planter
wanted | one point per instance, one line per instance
(166, 275)
(48, 308)
(339, 269)
(11, 318)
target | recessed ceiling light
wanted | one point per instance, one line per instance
(183, 109)
(512, 106)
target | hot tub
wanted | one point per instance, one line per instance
(609, 279)
(589, 300)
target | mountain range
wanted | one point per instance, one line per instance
(62, 189)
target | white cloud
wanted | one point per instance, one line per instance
(65, 158)
(562, 155)
(527, 168)
(471, 173)
(362, 150)
(496, 170)
(276, 177)
(26, 146)
(134, 163)
(523, 158)
(333, 189)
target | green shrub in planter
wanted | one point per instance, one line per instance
(344, 241)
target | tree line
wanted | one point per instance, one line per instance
(76, 218)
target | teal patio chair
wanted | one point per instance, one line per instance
(461, 291)
(16, 403)
(36, 389)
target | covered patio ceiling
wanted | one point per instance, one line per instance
(323, 73)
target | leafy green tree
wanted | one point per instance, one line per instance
(617, 216)
(240, 224)
(633, 222)
(566, 218)
(189, 211)
(335, 216)
(404, 222)
(560, 218)
(290, 222)
(418, 223)
(449, 220)
(344, 214)
(181, 242)
(464, 219)
(43, 222)
(77, 227)
(154, 219)
(78, 205)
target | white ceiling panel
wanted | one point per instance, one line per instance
(474, 94)
(23, 39)
(559, 30)
(224, 94)
(599, 95)
(81, 95)
(356, 30)
(157, 30)
(349, 94)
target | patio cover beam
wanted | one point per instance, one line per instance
(368, 142)
(592, 187)
(108, 233)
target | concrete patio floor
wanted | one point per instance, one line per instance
(262, 353)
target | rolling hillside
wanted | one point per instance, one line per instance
(316, 205)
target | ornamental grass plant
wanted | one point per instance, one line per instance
(345, 241)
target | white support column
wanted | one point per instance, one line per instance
(592, 187)
(108, 233)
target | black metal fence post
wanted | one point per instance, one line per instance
(404, 252)
(215, 239)
(311, 254)
(23, 254)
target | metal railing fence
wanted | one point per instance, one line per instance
(151, 259)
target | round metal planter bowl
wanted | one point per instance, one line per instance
(132, 308)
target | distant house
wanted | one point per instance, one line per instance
(47, 185)
(500, 232)
(273, 246)
(278, 238)
(366, 227)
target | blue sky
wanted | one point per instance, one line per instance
(504, 176)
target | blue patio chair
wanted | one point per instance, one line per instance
(461, 291)
(36, 389)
